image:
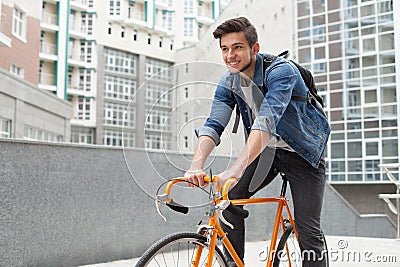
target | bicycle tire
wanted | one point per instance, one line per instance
(178, 249)
(295, 254)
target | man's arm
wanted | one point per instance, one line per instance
(256, 143)
(204, 147)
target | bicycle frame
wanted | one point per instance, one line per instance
(216, 230)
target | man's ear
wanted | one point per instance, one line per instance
(256, 48)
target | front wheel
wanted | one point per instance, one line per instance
(288, 252)
(180, 250)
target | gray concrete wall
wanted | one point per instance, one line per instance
(70, 205)
(364, 197)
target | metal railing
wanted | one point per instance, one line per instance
(387, 197)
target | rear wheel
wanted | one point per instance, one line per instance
(288, 252)
(180, 249)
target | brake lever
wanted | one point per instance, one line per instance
(220, 207)
(161, 199)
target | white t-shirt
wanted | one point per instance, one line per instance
(248, 94)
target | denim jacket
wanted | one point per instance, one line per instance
(298, 123)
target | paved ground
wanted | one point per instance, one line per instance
(343, 251)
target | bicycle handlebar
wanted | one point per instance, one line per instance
(242, 213)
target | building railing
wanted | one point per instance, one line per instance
(49, 18)
(46, 78)
(82, 2)
(47, 48)
(387, 197)
(138, 15)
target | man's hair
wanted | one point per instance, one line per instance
(240, 24)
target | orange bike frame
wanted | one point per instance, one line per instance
(218, 232)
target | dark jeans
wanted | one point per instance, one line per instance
(307, 186)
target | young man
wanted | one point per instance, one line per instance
(282, 135)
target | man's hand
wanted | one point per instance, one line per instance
(195, 178)
(233, 172)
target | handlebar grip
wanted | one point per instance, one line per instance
(177, 207)
(240, 212)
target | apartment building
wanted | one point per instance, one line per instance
(105, 58)
(25, 111)
(353, 47)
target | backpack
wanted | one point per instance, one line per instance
(312, 95)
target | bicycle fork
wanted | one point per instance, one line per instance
(279, 221)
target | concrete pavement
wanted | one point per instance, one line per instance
(343, 251)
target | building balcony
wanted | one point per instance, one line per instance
(77, 60)
(78, 32)
(74, 89)
(205, 16)
(161, 4)
(49, 22)
(136, 18)
(48, 52)
(79, 5)
(47, 82)
(205, 20)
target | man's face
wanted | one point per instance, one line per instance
(236, 52)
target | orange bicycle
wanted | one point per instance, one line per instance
(200, 249)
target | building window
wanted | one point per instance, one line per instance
(186, 92)
(17, 70)
(131, 9)
(134, 35)
(109, 28)
(189, 7)
(122, 32)
(115, 7)
(84, 108)
(34, 133)
(120, 61)
(86, 51)
(119, 88)
(118, 138)
(158, 120)
(171, 45)
(158, 70)
(160, 41)
(154, 141)
(87, 23)
(157, 95)
(19, 23)
(188, 26)
(118, 115)
(149, 38)
(82, 135)
(5, 128)
(86, 79)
